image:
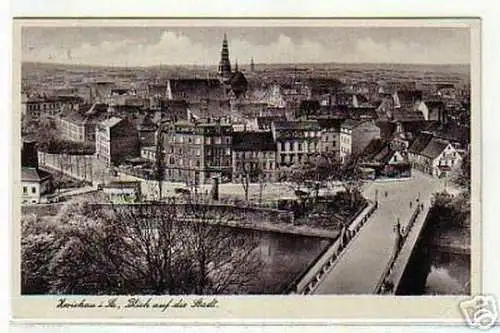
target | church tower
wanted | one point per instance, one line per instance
(224, 64)
(252, 65)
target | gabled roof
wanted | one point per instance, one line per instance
(253, 141)
(297, 125)
(420, 143)
(434, 148)
(351, 123)
(196, 89)
(387, 128)
(34, 175)
(372, 149)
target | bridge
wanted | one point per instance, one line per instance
(369, 261)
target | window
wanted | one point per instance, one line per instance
(228, 151)
(283, 146)
(198, 152)
(217, 140)
(300, 146)
(25, 189)
(197, 140)
(207, 140)
(33, 189)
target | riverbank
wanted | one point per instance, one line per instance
(457, 241)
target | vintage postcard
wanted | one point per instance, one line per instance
(247, 170)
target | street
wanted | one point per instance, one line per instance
(358, 269)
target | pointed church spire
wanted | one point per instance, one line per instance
(224, 64)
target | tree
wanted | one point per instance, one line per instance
(154, 248)
(250, 171)
(462, 175)
(262, 185)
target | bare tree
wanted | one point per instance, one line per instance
(250, 172)
(262, 185)
(153, 248)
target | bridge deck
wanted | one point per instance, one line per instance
(363, 262)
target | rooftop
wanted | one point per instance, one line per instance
(296, 125)
(34, 174)
(434, 148)
(253, 141)
(111, 122)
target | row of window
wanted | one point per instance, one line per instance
(266, 165)
(197, 140)
(299, 146)
(25, 190)
(255, 154)
(345, 139)
(42, 106)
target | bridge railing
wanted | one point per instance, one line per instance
(308, 280)
(387, 283)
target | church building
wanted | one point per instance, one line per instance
(235, 83)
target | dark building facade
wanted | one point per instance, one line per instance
(197, 152)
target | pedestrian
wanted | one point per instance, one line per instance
(386, 194)
(411, 204)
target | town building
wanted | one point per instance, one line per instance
(434, 110)
(254, 153)
(35, 184)
(196, 151)
(149, 153)
(355, 135)
(116, 140)
(407, 98)
(385, 161)
(433, 155)
(35, 107)
(80, 126)
(146, 130)
(194, 90)
(296, 140)
(330, 134)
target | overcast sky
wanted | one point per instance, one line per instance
(141, 46)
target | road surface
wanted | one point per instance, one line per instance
(361, 265)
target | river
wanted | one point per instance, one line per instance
(449, 274)
(284, 257)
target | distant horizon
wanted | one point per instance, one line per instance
(195, 46)
(245, 64)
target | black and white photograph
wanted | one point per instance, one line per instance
(298, 160)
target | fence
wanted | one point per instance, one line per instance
(308, 280)
(385, 285)
(76, 166)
